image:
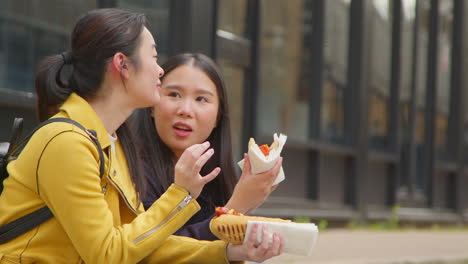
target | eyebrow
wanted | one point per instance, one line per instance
(180, 88)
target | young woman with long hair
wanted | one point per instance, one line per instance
(194, 109)
(110, 70)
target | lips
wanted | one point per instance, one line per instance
(182, 129)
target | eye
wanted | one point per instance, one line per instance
(201, 99)
(174, 94)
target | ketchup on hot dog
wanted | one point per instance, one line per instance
(223, 210)
(265, 149)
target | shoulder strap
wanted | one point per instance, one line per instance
(36, 218)
(14, 150)
(6, 149)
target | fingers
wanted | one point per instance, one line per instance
(274, 187)
(253, 236)
(278, 165)
(265, 244)
(194, 152)
(278, 244)
(282, 245)
(246, 168)
(202, 160)
(206, 179)
(247, 165)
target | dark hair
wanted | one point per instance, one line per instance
(159, 158)
(97, 37)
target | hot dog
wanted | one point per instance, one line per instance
(264, 157)
(231, 226)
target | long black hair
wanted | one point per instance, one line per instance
(97, 36)
(158, 157)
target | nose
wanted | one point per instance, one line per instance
(161, 71)
(185, 108)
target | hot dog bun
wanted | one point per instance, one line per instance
(231, 228)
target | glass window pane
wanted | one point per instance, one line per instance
(285, 51)
(421, 74)
(234, 77)
(157, 12)
(407, 28)
(379, 78)
(29, 32)
(232, 16)
(336, 66)
(443, 76)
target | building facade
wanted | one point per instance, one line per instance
(370, 92)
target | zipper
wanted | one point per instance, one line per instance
(123, 196)
(118, 188)
(179, 207)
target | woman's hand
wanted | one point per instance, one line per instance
(187, 169)
(257, 253)
(253, 189)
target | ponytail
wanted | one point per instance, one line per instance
(51, 84)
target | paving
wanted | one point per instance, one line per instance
(385, 247)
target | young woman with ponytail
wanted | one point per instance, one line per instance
(110, 70)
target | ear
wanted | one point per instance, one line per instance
(119, 64)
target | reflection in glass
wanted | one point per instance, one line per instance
(443, 75)
(336, 64)
(421, 76)
(285, 26)
(234, 77)
(379, 78)
(407, 35)
(28, 33)
(157, 12)
(332, 112)
(232, 16)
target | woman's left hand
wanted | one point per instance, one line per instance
(257, 253)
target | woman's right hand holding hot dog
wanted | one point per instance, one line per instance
(187, 169)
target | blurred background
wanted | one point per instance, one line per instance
(369, 92)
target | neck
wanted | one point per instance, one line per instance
(112, 112)
(176, 156)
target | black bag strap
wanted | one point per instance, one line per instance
(34, 219)
(24, 224)
(6, 148)
(14, 150)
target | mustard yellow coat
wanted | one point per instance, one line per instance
(95, 221)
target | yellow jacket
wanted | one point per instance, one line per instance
(95, 220)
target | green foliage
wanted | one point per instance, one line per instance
(322, 225)
(302, 219)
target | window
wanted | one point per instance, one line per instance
(285, 51)
(407, 63)
(31, 30)
(232, 19)
(379, 77)
(421, 73)
(233, 16)
(443, 76)
(157, 12)
(335, 67)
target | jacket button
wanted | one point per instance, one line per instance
(114, 172)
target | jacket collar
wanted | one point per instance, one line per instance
(78, 109)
